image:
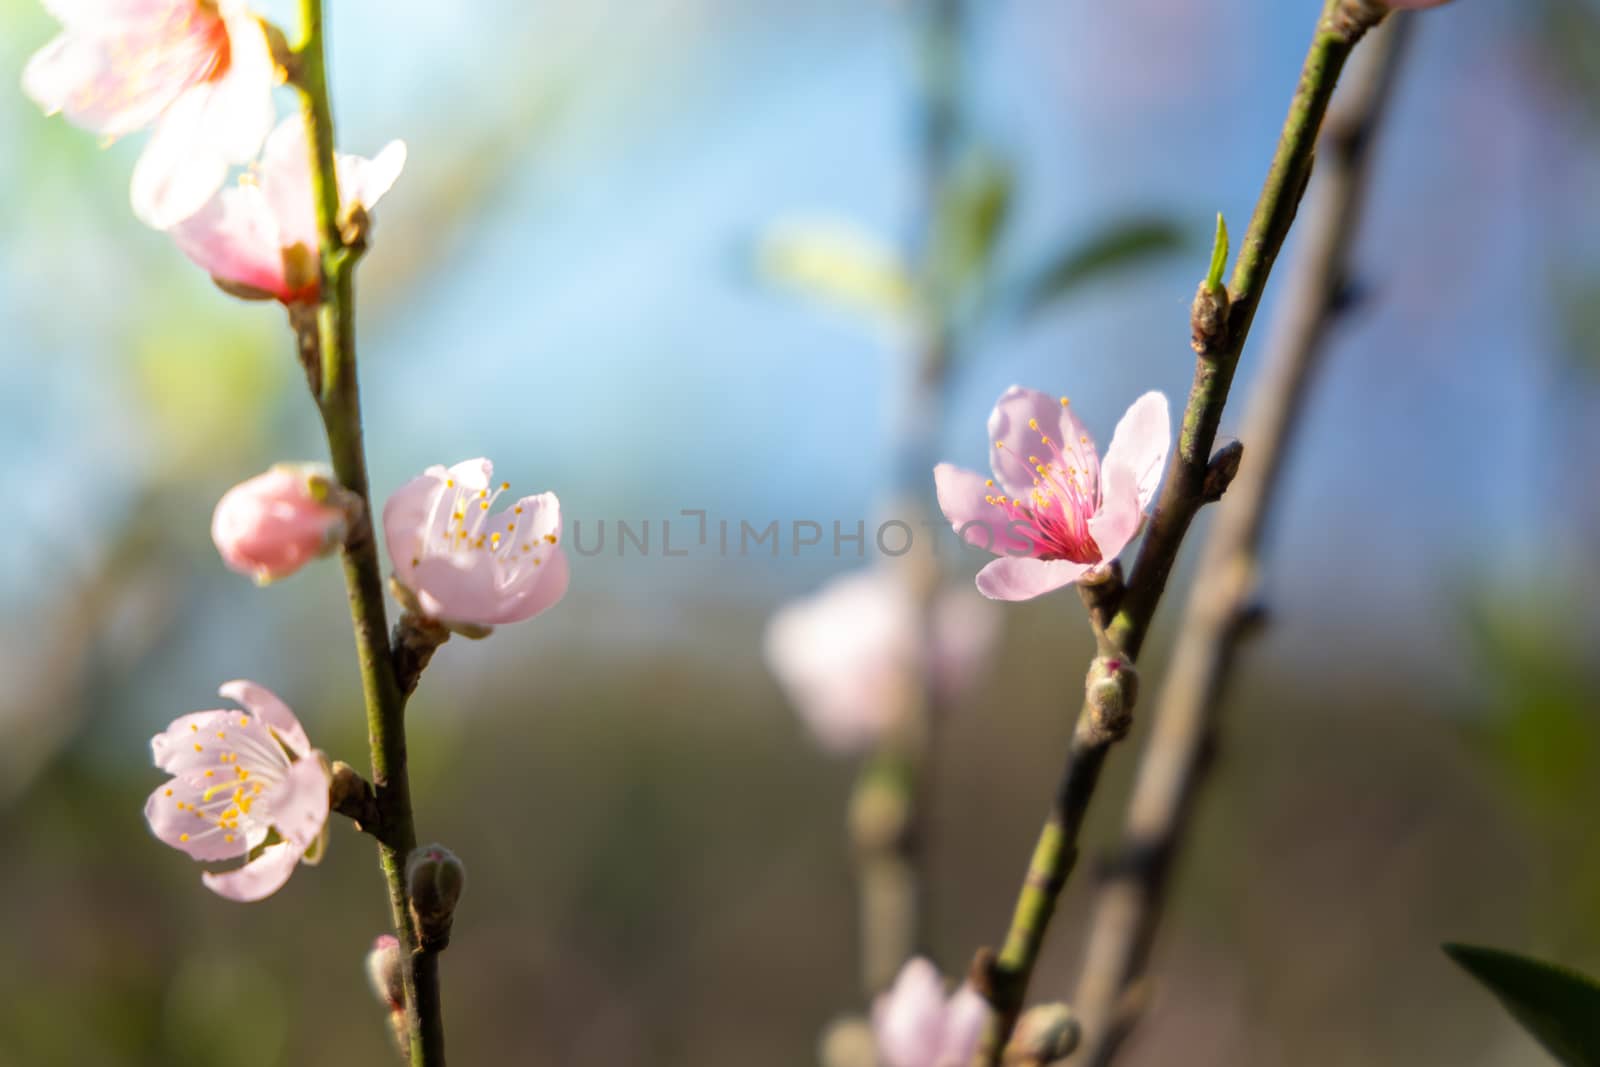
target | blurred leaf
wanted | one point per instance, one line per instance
(1117, 246)
(835, 263)
(970, 216)
(1560, 1008)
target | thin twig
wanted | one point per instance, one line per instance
(1220, 605)
(340, 404)
(1220, 338)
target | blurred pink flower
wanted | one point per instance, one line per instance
(847, 654)
(259, 238)
(273, 524)
(917, 1026)
(465, 566)
(1059, 515)
(200, 71)
(236, 777)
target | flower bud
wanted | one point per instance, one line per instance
(1111, 690)
(434, 880)
(383, 971)
(273, 524)
(1047, 1033)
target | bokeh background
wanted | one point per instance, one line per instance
(568, 278)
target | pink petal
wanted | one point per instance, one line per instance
(73, 75)
(258, 879)
(174, 748)
(1119, 518)
(235, 238)
(286, 182)
(909, 1019)
(1012, 438)
(1023, 578)
(965, 1018)
(533, 589)
(538, 593)
(365, 181)
(1140, 445)
(405, 519)
(266, 706)
(975, 520)
(183, 829)
(208, 127)
(458, 588)
(299, 805)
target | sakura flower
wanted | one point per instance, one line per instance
(258, 239)
(200, 71)
(847, 655)
(917, 1026)
(1059, 514)
(244, 784)
(464, 565)
(273, 524)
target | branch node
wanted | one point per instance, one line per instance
(416, 639)
(352, 796)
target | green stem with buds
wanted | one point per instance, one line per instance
(1222, 325)
(339, 400)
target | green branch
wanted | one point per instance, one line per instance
(1221, 325)
(339, 400)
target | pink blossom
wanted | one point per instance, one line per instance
(1058, 514)
(272, 525)
(465, 565)
(200, 71)
(917, 1026)
(259, 238)
(239, 777)
(847, 654)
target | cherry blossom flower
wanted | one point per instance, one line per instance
(917, 1026)
(846, 655)
(275, 523)
(244, 784)
(464, 565)
(1058, 514)
(258, 239)
(200, 71)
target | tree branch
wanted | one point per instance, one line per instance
(1220, 605)
(1220, 338)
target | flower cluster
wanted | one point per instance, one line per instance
(200, 74)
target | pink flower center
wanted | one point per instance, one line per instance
(462, 521)
(1065, 495)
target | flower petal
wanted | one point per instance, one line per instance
(183, 829)
(299, 805)
(459, 588)
(266, 706)
(1014, 578)
(286, 182)
(909, 1019)
(235, 238)
(1012, 437)
(186, 746)
(365, 181)
(965, 1017)
(979, 523)
(258, 879)
(1140, 444)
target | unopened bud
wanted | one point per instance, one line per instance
(434, 880)
(1045, 1034)
(1111, 691)
(383, 971)
(1208, 319)
(351, 796)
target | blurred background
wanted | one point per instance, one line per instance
(598, 269)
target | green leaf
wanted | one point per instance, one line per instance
(1219, 256)
(1116, 246)
(1560, 1008)
(972, 211)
